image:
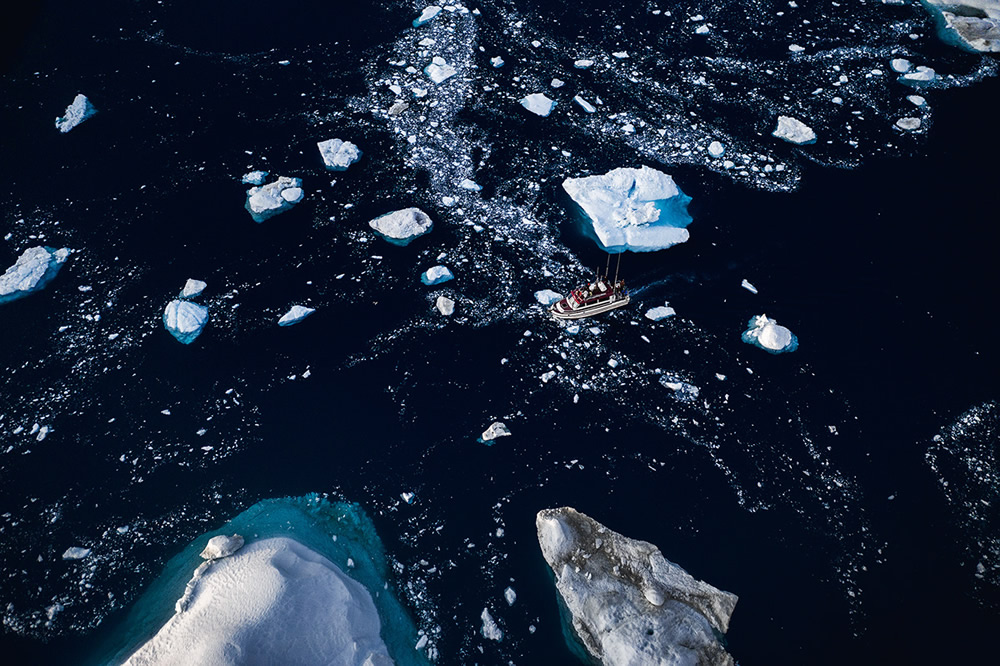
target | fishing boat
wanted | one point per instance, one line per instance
(597, 297)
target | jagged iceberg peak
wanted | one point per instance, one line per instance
(794, 131)
(273, 601)
(641, 210)
(628, 604)
(294, 315)
(973, 25)
(185, 320)
(769, 336)
(338, 154)
(400, 227)
(78, 111)
(34, 269)
(267, 201)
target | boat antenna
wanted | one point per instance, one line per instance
(608, 269)
(617, 266)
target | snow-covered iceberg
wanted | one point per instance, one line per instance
(538, 104)
(34, 269)
(661, 312)
(769, 336)
(973, 25)
(547, 297)
(794, 131)
(641, 210)
(427, 15)
(222, 546)
(295, 314)
(400, 227)
(185, 320)
(338, 154)
(627, 603)
(78, 111)
(436, 275)
(496, 429)
(267, 201)
(445, 305)
(255, 177)
(310, 587)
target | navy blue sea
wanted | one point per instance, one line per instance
(846, 492)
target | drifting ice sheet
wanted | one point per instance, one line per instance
(538, 104)
(400, 227)
(436, 275)
(34, 269)
(296, 314)
(338, 154)
(277, 197)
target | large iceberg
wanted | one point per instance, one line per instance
(309, 587)
(338, 154)
(973, 25)
(794, 131)
(277, 197)
(769, 336)
(427, 15)
(78, 111)
(185, 320)
(400, 227)
(627, 603)
(34, 269)
(641, 210)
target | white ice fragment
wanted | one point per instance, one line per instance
(547, 297)
(795, 48)
(793, 130)
(908, 124)
(338, 154)
(496, 429)
(510, 595)
(701, 30)
(221, 546)
(445, 305)
(471, 185)
(192, 288)
(78, 111)
(583, 64)
(76, 553)
(769, 336)
(900, 65)
(185, 320)
(408, 497)
(34, 269)
(584, 104)
(916, 100)
(749, 287)
(921, 75)
(490, 629)
(427, 15)
(439, 70)
(265, 202)
(538, 104)
(255, 177)
(716, 149)
(436, 275)
(662, 312)
(401, 227)
(296, 314)
(496, 61)
(557, 83)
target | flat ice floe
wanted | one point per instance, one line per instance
(275, 601)
(192, 288)
(34, 269)
(439, 70)
(294, 315)
(445, 305)
(401, 227)
(338, 154)
(76, 553)
(641, 210)
(627, 603)
(427, 15)
(78, 111)
(185, 320)
(269, 200)
(769, 336)
(794, 131)
(436, 275)
(661, 312)
(496, 429)
(538, 104)
(547, 297)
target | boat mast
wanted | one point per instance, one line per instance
(608, 268)
(617, 266)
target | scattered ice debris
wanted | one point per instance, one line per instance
(749, 287)
(78, 111)
(603, 577)
(496, 61)
(641, 210)
(34, 269)
(510, 595)
(408, 497)
(900, 65)
(584, 104)
(583, 63)
(683, 391)
(436, 275)
(661, 312)
(490, 629)
(471, 185)
(185, 320)
(547, 297)
(255, 177)
(497, 429)
(76, 553)
(296, 314)
(221, 546)
(716, 149)
(538, 104)
(794, 131)
(192, 288)
(439, 70)
(769, 336)
(445, 305)
(908, 124)
(426, 16)
(265, 202)
(338, 154)
(973, 25)
(400, 227)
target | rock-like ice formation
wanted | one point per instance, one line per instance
(426, 16)
(338, 154)
(275, 601)
(222, 546)
(547, 297)
(628, 604)
(277, 197)
(794, 131)
(970, 24)
(78, 111)
(641, 210)
(497, 429)
(445, 305)
(436, 275)
(439, 70)
(185, 320)
(34, 269)
(192, 288)
(538, 104)
(769, 336)
(400, 227)
(662, 312)
(76, 553)
(296, 314)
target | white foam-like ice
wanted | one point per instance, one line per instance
(79, 110)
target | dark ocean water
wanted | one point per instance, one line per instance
(840, 542)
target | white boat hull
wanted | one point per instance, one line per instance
(588, 310)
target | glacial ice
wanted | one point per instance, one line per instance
(748, 286)
(78, 111)
(490, 629)
(794, 131)
(627, 603)
(185, 320)
(769, 336)
(255, 177)
(641, 210)
(192, 288)
(496, 429)
(547, 297)
(338, 154)
(471, 185)
(445, 305)
(400, 227)
(584, 104)
(908, 124)
(222, 546)
(294, 315)
(436, 275)
(973, 25)
(538, 104)
(265, 202)
(497, 61)
(34, 269)
(426, 16)
(439, 70)
(900, 65)
(683, 391)
(510, 595)
(716, 149)
(661, 312)
(76, 553)
(919, 76)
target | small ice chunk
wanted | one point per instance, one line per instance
(407, 497)
(538, 104)
(510, 595)
(547, 297)
(185, 320)
(497, 429)
(436, 275)
(683, 391)
(908, 124)
(701, 30)
(439, 70)
(900, 65)
(427, 15)
(265, 202)
(583, 63)
(769, 336)
(795, 48)
(794, 131)
(584, 104)
(921, 75)
(296, 314)
(76, 553)
(445, 305)
(716, 149)
(401, 227)
(221, 546)
(490, 629)
(557, 83)
(338, 154)
(916, 100)
(471, 185)
(496, 61)
(255, 177)
(78, 111)
(749, 287)
(192, 288)
(662, 312)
